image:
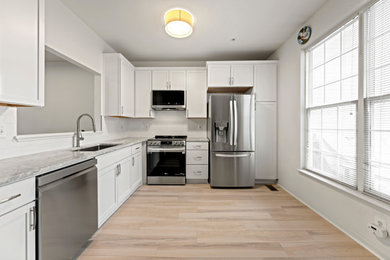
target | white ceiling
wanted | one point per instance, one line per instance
(136, 27)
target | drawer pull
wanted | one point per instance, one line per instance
(197, 146)
(197, 172)
(10, 198)
(198, 158)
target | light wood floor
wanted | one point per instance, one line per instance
(194, 221)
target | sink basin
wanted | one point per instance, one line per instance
(96, 147)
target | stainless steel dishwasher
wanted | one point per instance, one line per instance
(67, 210)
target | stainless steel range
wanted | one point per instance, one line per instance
(166, 160)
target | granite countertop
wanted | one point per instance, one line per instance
(24, 167)
(197, 139)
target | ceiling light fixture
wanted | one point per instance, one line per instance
(178, 23)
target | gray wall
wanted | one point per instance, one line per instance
(69, 92)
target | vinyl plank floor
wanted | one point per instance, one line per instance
(197, 222)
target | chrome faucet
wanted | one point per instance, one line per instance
(79, 136)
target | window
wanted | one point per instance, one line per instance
(377, 100)
(331, 105)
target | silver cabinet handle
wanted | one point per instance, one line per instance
(197, 146)
(33, 218)
(121, 110)
(197, 172)
(232, 81)
(232, 155)
(119, 169)
(10, 198)
(132, 161)
(198, 158)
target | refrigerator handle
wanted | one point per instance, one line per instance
(235, 122)
(231, 126)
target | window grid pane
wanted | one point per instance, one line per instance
(377, 101)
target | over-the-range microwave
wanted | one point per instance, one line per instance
(168, 100)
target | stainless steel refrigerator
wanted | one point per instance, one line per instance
(231, 130)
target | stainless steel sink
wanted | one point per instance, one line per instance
(96, 147)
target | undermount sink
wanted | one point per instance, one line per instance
(96, 147)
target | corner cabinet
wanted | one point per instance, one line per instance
(197, 93)
(230, 74)
(119, 176)
(118, 74)
(22, 52)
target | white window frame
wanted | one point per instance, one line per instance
(357, 192)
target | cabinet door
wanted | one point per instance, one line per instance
(137, 170)
(22, 52)
(218, 75)
(242, 75)
(266, 144)
(17, 233)
(123, 182)
(266, 82)
(160, 79)
(127, 89)
(106, 193)
(177, 80)
(143, 91)
(196, 94)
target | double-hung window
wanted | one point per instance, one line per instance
(331, 105)
(336, 89)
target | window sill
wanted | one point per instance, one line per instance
(353, 193)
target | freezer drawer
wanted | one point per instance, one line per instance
(232, 169)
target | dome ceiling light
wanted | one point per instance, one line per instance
(178, 23)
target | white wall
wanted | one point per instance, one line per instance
(347, 212)
(69, 92)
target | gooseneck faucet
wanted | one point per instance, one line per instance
(79, 136)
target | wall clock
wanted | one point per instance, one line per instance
(304, 35)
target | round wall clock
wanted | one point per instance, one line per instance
(304, 35)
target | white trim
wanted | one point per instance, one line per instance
(352, 236)
(353, 193)
(170, 68)
(37, 137)
(235, 62)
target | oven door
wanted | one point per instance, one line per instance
(166, 165)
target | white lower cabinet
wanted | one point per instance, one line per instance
(17, 233)
(197, 160)
(119, 176)
(18, 220)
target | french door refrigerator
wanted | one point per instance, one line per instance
(231, 130)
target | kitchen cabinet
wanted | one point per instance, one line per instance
(118, 74)
(266, 141)
(169, 79)
(266, 81)
(18, 220)
(197, 156)
(196, 94)
(22, 52)
(143, 92)
(119, 176)
(228, 74)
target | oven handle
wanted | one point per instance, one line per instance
(166, 150)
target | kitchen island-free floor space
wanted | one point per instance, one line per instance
(195, 221)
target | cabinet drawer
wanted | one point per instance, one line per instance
(114, 157)
(16, 194)
(136, 148)
(197, 157)
(197, 145)
(197, 172)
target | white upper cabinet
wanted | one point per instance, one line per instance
(143, 91)
(219, 75)
(118, 76)
(241, 75)
(169, 80)
(266, 81)
(177, 80)
(160, 80)
(228, 74)
(196, 94)
(22, 52)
